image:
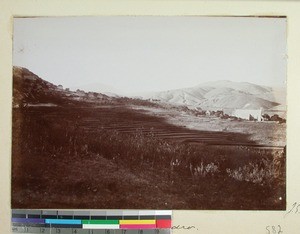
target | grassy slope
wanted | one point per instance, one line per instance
(54, 169)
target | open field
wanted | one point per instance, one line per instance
(119, 157)
(259, 133)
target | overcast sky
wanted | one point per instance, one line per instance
(140, 54)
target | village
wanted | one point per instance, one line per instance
(257, 115)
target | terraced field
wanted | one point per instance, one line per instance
(113, 157)
(129, 121)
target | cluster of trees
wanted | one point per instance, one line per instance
(222, 115)
(274, 117)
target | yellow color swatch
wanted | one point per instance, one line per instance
(137, 221)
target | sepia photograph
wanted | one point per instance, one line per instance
(149, 112)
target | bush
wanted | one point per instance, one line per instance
(266, 173)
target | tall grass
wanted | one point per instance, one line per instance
(35, 134)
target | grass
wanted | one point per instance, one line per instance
(266, 133)
(58, 163)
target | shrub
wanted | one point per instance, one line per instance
(266, 173)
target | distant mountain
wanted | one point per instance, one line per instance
(30, 89)
(98, 88)
(224, 94)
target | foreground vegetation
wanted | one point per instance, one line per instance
(58, 163)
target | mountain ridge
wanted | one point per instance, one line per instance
(29, 88)
(223, 94)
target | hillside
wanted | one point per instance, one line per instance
(224, 94)
(30, 89)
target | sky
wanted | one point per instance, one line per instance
(128, 54)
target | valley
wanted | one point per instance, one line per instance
(92, 151)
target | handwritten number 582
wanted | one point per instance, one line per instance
(274, 229)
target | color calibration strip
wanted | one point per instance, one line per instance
(91, 222)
